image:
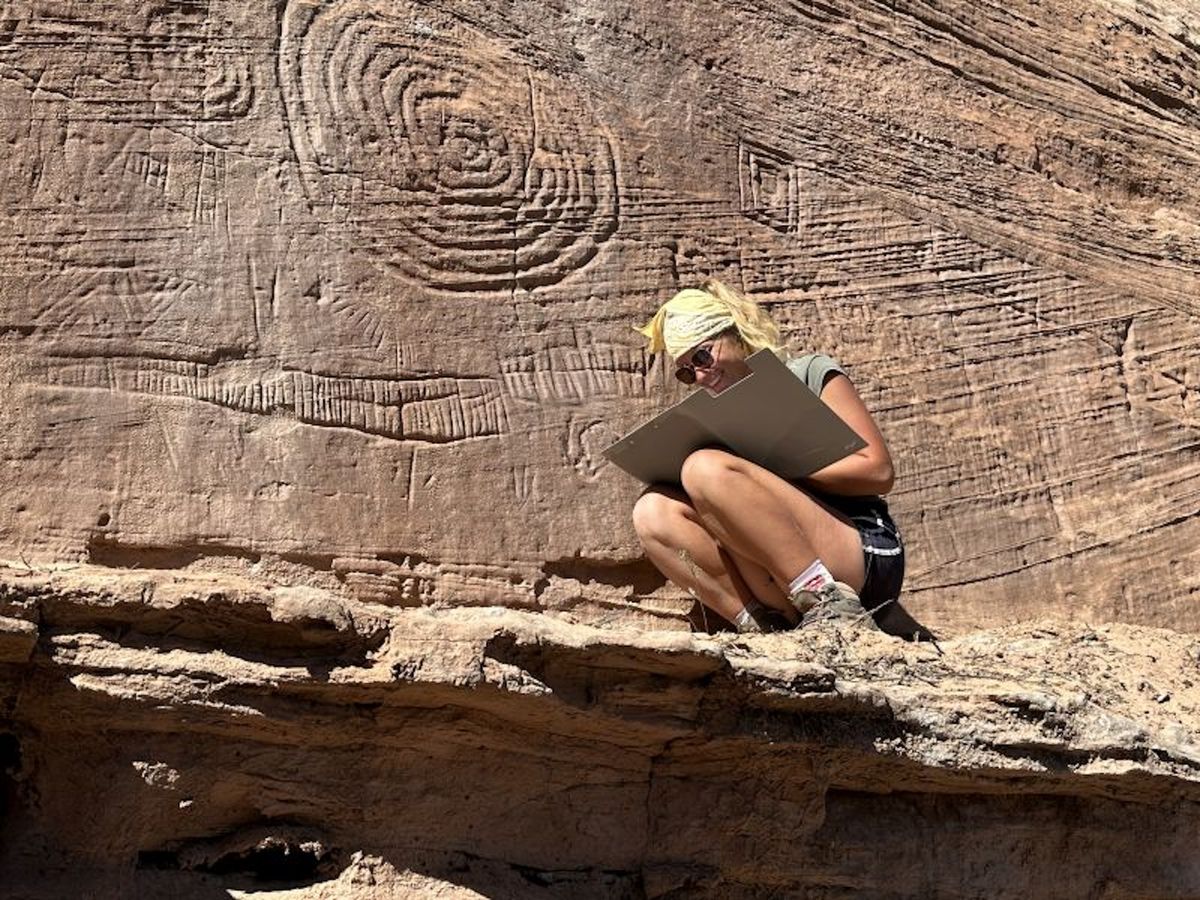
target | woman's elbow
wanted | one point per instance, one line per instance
(884, 476)
(875, 472)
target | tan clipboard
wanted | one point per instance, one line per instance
(769, 417)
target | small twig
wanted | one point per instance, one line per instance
(916, 638)
(932, 640)
(871, 612)
(692, 568)
(918, 677)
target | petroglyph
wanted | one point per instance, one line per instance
(575, 374)
(1162, 376)
(586, 440)
(210, 187)
(129, 63)
(299, 273)
(149, 168)
(228, 90)
(9, 20)
(492, 174)
(768, 187)
(122, 304)
(433, 410)
(415, 581)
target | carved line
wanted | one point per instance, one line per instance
(149, 168)
(210, 187)
(435, 410)
(576, 374)
(768, 187)
(415, 126)
(134, 51)
(107, 304)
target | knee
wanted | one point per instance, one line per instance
(653, 515)
(705, 472)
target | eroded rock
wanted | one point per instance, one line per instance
(500, 753)
(314, 323)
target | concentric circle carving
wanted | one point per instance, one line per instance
(443, 154)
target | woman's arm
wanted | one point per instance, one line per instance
(867, 471)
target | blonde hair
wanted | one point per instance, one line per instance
(755, 327)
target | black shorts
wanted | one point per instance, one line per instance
(883, 557)
(883, 551)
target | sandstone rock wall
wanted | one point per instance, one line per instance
(341, 288)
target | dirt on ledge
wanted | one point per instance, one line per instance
(192, 735)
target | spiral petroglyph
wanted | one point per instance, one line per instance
(441, 153)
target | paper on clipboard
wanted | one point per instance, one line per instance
(769, 417)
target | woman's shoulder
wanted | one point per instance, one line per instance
(814, 368)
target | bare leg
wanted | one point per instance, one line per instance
(677, 543)
(772, 523)
(763, 586)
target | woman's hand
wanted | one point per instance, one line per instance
(866, 471)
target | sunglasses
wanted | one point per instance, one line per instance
(702, 358)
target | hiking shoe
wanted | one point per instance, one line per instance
(773, 620)
(805, 601)
(756, 618)
(836, 603)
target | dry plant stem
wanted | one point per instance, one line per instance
(679, 546)
(706, 574)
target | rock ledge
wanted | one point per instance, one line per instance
(187, 734)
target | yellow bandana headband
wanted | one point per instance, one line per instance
(685, 320)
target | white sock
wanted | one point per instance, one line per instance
(811, 579)
(745, 621)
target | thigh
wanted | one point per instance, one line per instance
(760, 582)
(832, 535)
(670, 501)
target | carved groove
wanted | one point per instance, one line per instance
(573, 374)
(150, 62)
(498, 177)
(435, 410)
(769, 187)
(122, 304)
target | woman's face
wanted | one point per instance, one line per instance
(716, 363)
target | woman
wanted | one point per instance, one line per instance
(760, 551)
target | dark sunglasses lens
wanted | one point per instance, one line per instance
(702, 358)
(686, 374)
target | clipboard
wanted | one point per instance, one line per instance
(770, 417)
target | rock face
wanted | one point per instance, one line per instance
(314, 322)
(191, 736)
(348, 283)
